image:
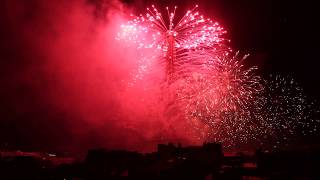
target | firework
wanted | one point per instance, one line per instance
(181, 48)
(223, 99)
(286, 110)
(204, 83)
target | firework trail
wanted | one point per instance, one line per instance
(206, 83)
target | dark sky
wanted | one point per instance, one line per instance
(281, 37)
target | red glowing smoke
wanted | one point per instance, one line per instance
(65, 75)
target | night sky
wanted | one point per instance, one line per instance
(38, 111)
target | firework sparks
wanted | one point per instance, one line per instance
(181, 48)
(207, 83)
(287, 110)
(223, 99)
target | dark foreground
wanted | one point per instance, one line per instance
(205, 162)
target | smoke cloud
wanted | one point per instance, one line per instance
(63, 80)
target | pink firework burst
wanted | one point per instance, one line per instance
(181, 48)
(203, 83)
(224, 99)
